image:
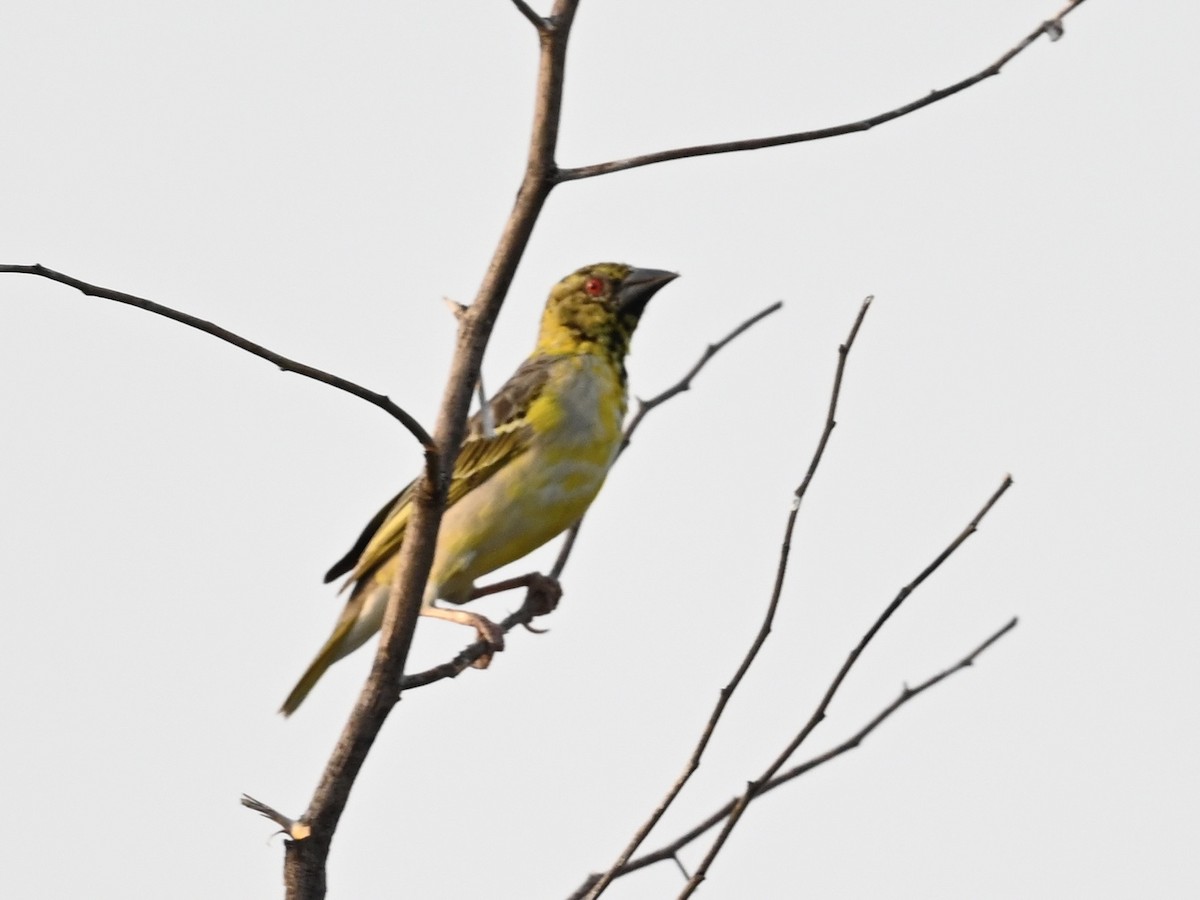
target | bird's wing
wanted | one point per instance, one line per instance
(481, 456)
(346, 563)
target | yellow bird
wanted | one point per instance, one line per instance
(524, 475)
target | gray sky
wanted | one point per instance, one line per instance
(318, 180)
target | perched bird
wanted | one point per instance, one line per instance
(526, 472)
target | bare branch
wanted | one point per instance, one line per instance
(764, 630)
(283, 362)
(644, 407)
(754, 788)
(305, 861)
(670, 851)
(527, 11)
(541, 596)
(1052, 28)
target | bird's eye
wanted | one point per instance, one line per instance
(594, 286)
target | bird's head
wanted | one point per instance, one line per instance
(597, 308)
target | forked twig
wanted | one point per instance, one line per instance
(671, 850)
(755, 787)
(727, 692)
(528, 12)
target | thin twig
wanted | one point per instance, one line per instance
(534, 605)
(528, 12)
(671, 850)
(283, 362)
(1052, 28)
(754, 787)
(764, 630)
(644, 407)
(685, 383)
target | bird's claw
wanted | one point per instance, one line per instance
(542, 595)
(492, 635)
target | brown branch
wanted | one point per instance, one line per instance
(670, 851)
(305, 860)
(764, 630)
(1052, 28)
(644, 407)
(527, 11)
(283, 362)
(754, 787)
(540, 597)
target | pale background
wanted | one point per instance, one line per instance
(318, 177)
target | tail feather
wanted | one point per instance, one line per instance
(306, 683)
(359, 620)
(333, 650)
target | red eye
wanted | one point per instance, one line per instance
(594, 286)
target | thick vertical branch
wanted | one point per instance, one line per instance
(305, 861)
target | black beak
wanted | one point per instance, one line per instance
(639, 286)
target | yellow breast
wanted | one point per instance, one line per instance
(576, 422)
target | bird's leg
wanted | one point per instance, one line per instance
(489, 632)
(543, 594)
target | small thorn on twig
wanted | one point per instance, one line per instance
(458, 310)
(297, 831)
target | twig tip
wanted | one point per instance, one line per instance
(458, 310)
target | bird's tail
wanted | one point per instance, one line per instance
(306, 683)
(334, 649)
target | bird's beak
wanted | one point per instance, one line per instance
(639, 286)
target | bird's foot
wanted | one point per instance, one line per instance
(489, 632)
(492, 635)
(542, 596)
(542, 593)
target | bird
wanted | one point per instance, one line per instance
(532, 462)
